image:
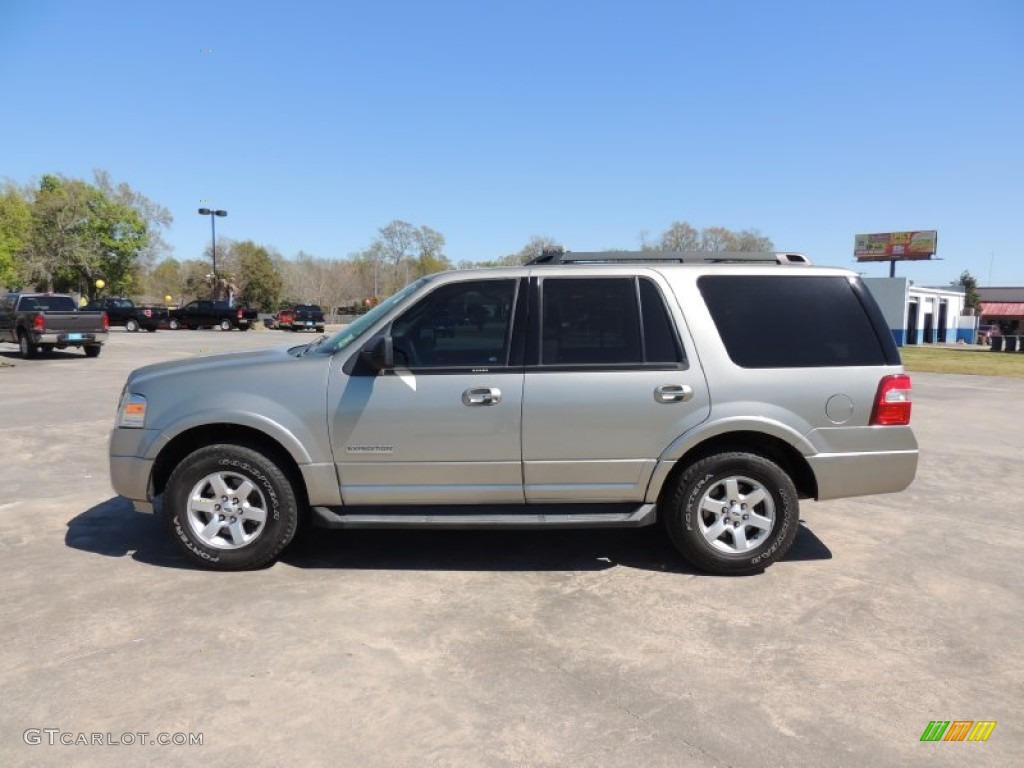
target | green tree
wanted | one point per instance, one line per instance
(80, 233)
(15, 232)
(165, 279)
(259, 280)
(62, 245)
(154, 217)
(972, 299)
(120, 237)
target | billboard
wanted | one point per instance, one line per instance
(896, 246)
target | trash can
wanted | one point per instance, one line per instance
(1010, 345)
(997, 344)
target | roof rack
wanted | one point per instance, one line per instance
(679, 257)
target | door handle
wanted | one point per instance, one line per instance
(481, 396)
(673, 393)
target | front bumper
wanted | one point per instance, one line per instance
(130, 473)
(129, 476)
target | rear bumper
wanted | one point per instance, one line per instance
(62, 338)
(862, 474)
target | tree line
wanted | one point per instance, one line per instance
(64, 234)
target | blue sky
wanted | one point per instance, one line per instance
(314, 124)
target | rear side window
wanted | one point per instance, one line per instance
(609, 321)
(791, 322)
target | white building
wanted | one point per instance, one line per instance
(918, 315)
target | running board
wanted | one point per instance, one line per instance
(501, 517)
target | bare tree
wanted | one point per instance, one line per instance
(536, 246)
(680, 236)
(683, 236)
(397, 248)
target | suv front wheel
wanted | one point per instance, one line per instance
(230, 508)
(732, 514)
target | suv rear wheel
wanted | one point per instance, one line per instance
(230, 508)
(732, 514)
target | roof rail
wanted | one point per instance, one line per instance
(678, 257)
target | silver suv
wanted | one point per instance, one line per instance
(710, 391)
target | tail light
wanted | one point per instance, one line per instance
(239, 314)
(892, 402)
(106, 322)
(39, 323)
(147, 312)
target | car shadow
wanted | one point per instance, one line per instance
(57, 354)
(807, 546)
(114, 529)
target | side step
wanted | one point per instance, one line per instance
(504, 516)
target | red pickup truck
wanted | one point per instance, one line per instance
(42, 322)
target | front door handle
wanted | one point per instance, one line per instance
(673, 393)
(481, 396)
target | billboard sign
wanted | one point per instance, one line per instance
(896, 246)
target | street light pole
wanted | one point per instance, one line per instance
(213, 235)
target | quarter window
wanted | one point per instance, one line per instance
(784, 321)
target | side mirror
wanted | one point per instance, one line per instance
(379, 354)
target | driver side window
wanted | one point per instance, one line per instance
(459, 325)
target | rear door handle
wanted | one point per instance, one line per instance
(481, 396)
(673, 393)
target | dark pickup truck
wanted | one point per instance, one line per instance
(46, 321)
(307, 317)
(207, 314)
(124, 312)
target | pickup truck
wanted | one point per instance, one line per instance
(47, 321)
(282, 321)
(124, 312)
(207, 314)
(307, 317)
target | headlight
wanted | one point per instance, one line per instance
(132, 411)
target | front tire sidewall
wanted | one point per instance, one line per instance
(682, 516)
(173, 325)
(131, 326)
(282, 510)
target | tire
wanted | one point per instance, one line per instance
(27, 349)
(173, 325)
(46, 349)
(131, 325)
(698, 508)
(244, 327)
(192, 327)
(225, 325)
(206, 531)
(92, 350)
(320, 329)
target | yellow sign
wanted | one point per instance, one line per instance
(896, 246)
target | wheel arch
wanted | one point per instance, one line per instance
(769, 446)
(194, 438)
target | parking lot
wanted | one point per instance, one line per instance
(591, 648)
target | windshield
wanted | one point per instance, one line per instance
(357, 328)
